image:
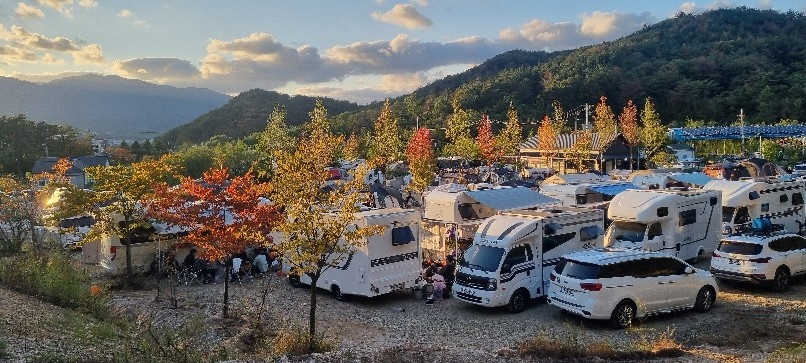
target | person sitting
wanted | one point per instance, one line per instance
(449, 273)
(235, 268)
(274, 262)
(260, 264)
(209, 271)
(190, 260)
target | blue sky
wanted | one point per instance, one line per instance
(358, 50)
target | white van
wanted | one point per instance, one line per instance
(386, 262)
(781, 201)
(681, 222)
(588, 193)
(513, 254)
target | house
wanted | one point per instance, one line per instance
(77, 174)
(603, 154)
(682, 151)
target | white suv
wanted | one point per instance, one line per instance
(621, 284)
(760, 258)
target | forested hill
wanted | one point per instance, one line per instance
(699, 67)
(248, 113)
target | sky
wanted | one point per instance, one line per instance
(356, 50)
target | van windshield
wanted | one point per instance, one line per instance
(628, 231)
(483, 258)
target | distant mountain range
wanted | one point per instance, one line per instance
(111, 106)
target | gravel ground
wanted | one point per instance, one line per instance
(746, 325)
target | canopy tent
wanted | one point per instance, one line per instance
(612, 189)
(697, 179)
(510, 198)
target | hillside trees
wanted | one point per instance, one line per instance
(318, 229)
(222, 215)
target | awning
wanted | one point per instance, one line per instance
(510, 198)
(612, 189)
(698, 179)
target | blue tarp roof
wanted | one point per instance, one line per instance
(612, 189)
(698, 179)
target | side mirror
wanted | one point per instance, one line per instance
(506, 268)
(689, 270)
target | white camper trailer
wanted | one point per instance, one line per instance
(680, 222)
(455, 209)
(386, 262)
(781, 201)
(582, 194)
(514, 252)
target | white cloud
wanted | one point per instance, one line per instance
(28, 12)
(32, 42)
(10, 54)
(91, 54)
(125, 13)
(46, 77)
(600, 25)
(88, 3)
(65, 7)
(421, 2)
(156, 69)
(688, 7)
(404, 15)
(765, 4)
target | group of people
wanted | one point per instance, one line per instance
(257, 262)
(440, 276)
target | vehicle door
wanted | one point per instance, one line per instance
(654, 237)
(518, 265)
(646, 284)
(675, 287)
(797, 246)
(688, 230)
(785, 253)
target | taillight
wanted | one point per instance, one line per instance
(590, 286)
(716, 254)
(113, 250)
(760, 260)
(552, 277)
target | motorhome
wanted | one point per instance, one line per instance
(453, 212)
(513, 253)
(679, 221)
(580, 194)
(779, 200)
(386, 262)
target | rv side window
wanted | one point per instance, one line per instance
(797, 199)
(402, 235)
(516, 255)
(688, 217)
(783, 198)
(663, 211)
(554, 241)
(765, 207)
(582, 199)
(754, 195)
(590, 232)
(467, 212)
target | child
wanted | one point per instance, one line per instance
(439, 286)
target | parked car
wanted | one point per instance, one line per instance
(620, 284)
(761, 258)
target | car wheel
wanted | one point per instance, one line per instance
(337, 293)
(293, 279)
(623, 315)
(705, 299)
(781, 282)
(517, 302)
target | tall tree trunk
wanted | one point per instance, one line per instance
(631, 158)
(227, 274)
(129, 272)
(312, 314)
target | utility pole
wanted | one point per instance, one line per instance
(741, 122)
(587, 108)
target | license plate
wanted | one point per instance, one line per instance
(468, 292)
(566, 291)
(397, 286)
(734, 262)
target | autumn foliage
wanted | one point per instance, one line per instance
(547, 139)
(422, 163)
(488, 147)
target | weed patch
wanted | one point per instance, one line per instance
(294, 340)
(575, 345)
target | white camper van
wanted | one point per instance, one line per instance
(386, 262)
(513, 254)
(681, 222)
(781, 201)
(589, 193)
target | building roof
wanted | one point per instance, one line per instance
(568, 140)
(45, 165)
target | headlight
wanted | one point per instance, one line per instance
(492, 284)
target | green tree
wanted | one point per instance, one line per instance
(318, 227)
(275, 137)
(653, 134)
(235, 156)
(193, 161)
(510, 138)
(386, 145)
(604, 121)
(460, 141)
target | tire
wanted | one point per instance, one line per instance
(517, 302)
(705, 299)
(337, 293)
(293, 279)
(782, 280)
(623, 315)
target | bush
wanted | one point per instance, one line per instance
(147, 342)
(294, 340)
(52, 278)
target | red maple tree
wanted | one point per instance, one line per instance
(422, 164)
(490, 151)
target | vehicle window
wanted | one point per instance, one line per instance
(582, 198)
(590, 232)
(754, 195)
(485, 258)
(727, 214)
(798, 243)
(578, 270)
(620, 269)
(779, 245)
(554, 241)
(688, 217)
(516, 255)
(667, 267)
(740, 248)
(628, 231)
(742, 215)
(402, 235)
(654, 230)
(529, 255)
(783, 198)
(639, 268)
(765, 207)
(797, 198)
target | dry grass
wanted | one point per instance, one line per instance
(646, 346)
(294, 340)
